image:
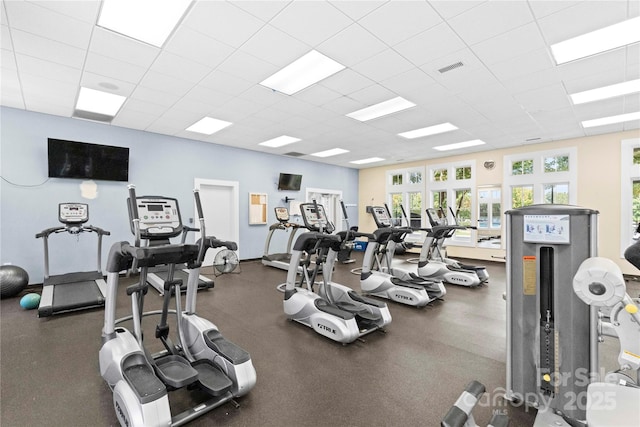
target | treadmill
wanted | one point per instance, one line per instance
(157, 276)
(72, 291)
(280, 260)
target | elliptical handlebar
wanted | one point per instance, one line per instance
(202, 248)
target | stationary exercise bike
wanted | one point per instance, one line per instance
(334, 311)
(380, 279)
(203, 359)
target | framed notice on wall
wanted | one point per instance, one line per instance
(257, 208)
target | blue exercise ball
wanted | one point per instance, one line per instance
(13, 280)
(30, 301)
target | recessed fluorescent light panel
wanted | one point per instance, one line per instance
(279, 141)
(611, 120)
(302, 73)
(598, 41)
(208, 126)
(150, 21)
(329, 153)
(365, 161)
(96, 101)
(431, 130)
(459, 145)
(382, 109)
(606, 92)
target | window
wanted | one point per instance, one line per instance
(453, 187)
(522, 196)
(489, 209)
(556, 164)
(440, 175)
(396, 211)
(522, 167)
(439, 200)
(630, 191)
(556, 193)
(541, 177)
(405, 190)
(415, 209)
(463, 173)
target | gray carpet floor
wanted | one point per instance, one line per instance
(408, 376)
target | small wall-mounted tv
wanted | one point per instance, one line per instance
(71, 159)
(289, 181)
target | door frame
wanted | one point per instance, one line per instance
(235, 190)
(339, 220)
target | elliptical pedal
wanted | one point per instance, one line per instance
(211, 379)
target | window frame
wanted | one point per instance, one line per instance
(629, 172)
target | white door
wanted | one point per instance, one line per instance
(330, 199)
(221, 210)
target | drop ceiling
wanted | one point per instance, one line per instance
(507, 92)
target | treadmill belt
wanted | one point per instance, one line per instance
(72, 296)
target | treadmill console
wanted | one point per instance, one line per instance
(315, 218)
(73, 213)
(282, 214)
(380, 216)
(159, 217)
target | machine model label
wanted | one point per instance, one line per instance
(326, 328)
(529, 275)
(547, 229)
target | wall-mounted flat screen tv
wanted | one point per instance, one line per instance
(71, 159)
(289, 181)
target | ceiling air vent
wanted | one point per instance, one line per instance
(450, 67)
(294, 154)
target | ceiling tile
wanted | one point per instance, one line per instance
(317, 95)
(133, 119)
(113, 45)
(593, 14)
(544, 99)
(450, 8)
(223, 21)
(154, 96)
(178, 67)
(5, 37)
(225, 83)
(351, 45)
(10, 90)
(197, 47)
(382, 66)
(544, 8)
(264, 10)
(416, 17)
(85, 10)
(346, 81)
(46, 69)
(432, 44)
(106, 84)
(311, 22)
(490, 19)
(357, 9)
(114, 68)
(275, 47)
(247, 67)
(31, 18)
(372, 95)
(165, 83)
(47, 50)
(511, 44)
(521, 65)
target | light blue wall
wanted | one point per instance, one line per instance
(159, 164)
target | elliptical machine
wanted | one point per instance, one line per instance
(203, 360)
(393, 283)
(435, 242)
(334, 311)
